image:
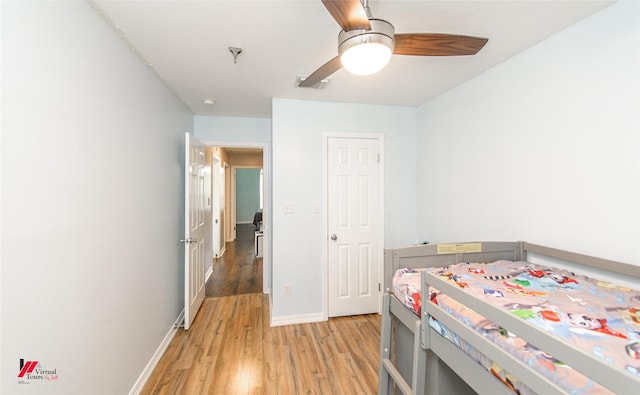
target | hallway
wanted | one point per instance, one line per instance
(238, 271)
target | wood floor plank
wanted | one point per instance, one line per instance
(231, 349)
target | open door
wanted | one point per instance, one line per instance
(217, 207)
(195, 230)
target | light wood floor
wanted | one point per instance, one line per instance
(231, 349)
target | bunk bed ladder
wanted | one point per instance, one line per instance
(390, 376)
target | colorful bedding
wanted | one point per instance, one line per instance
(591, 315)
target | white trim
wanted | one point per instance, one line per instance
(153, 362)
(232, 203)
(208, 274)
(325, 206)
(229, 231)
(297, 319)
(325, 225)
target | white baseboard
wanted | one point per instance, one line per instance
(297, 319)
(144, 376)
(208, 274)
(220, 253)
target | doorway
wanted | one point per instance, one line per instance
(237, 269)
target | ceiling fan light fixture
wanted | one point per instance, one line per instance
(365, 52)
(366, 59)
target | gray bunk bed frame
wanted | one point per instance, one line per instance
(415, 359)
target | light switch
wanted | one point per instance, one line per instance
(289, 208)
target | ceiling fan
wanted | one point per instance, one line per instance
(362, 35)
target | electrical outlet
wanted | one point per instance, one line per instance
(289, 208)
(286, 289)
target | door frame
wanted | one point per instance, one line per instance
(266, 210)
(325, 207)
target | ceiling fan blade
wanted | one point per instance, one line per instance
(350, 14)
(433, 44)
(323, 72)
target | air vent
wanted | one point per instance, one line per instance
(320, 85)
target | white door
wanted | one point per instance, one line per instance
(222, 209)
(232, 203)
(194, 202)
(354, 213)
(228, 224)
(216, 196)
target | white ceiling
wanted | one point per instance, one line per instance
(186, 44)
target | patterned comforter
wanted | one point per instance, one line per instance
(594, 316)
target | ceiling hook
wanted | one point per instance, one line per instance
(235, 51)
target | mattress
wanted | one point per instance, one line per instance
(591, 315)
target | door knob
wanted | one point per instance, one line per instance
(189, 240)
(334, 237)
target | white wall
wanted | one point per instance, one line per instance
(92, 151)
(297, 143)
(543, 147)
(233, 129)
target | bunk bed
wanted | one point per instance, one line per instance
(426, 348)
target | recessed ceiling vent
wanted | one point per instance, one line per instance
(320, 85)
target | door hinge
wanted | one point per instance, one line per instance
(379, 289)
(378, 158)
